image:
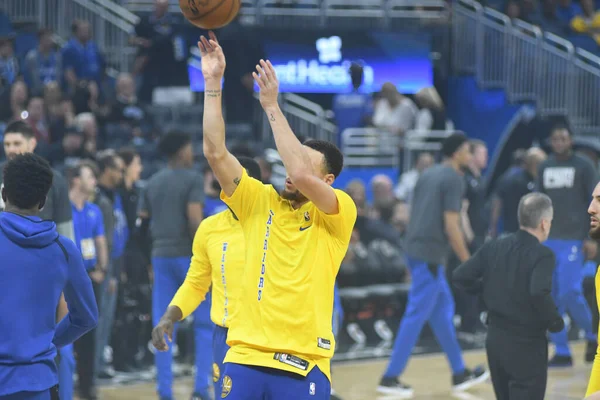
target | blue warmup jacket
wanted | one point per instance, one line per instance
(36, 265)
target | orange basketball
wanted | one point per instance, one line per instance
(210, 14)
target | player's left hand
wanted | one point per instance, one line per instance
(266, 78)
(590, 249)
(164, 327)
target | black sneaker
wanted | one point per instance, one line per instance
(560, 362)
(469, 378)
(590, 351)
(394, 387)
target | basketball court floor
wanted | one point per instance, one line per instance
(428, 374)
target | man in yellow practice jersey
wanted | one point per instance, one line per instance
(594, 211)
(218, 258)
(282, 342)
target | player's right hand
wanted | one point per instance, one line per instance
(213, 59)
(164, 327)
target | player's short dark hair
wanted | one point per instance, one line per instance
(534, 207)
(172, 142)
(106, 159)
(251, 167)
(334, 159)
(75, 171)
(452, 143)
(27, 180)
(128, 154)
(20, 127)
(561, 126)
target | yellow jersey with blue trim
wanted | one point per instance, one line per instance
(218, 259)
(292, 260)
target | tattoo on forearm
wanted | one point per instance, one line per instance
(272, 118)
(236, 181)
(212, 93)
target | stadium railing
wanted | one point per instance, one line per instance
(325, 13)
(530, 65)
(307, 119)
(112, 24)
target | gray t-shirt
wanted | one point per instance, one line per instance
(165, 199)
(58, 206)
(569, 184)
(439, 189)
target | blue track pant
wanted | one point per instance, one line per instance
(429, 300)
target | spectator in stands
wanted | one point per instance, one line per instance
(431, 115)
(81, 57)
(354, 109)
(567, 10)
(127, 113)
(511, 187)
(393, 111)
(14, 102)
(547, 18)
(70, 150)
(400, 217)
(357, 192)
(44, 64)
(36, 118)
(266, 170)
(513, 9)
(9, 65)
(588, 22)
(61, 116)
(154, 37)
(86, 124)
(408, 179)
(382, 188)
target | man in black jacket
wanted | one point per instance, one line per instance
(514, 274)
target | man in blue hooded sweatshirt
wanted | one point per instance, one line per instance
(37, 266)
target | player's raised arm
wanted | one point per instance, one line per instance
(293, 154)
(226, 167)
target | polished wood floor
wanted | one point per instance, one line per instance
(428, 374)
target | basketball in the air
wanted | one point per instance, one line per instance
(210, 14)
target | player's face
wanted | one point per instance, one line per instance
(480, 157)
(135, 169)
(560, 141)
(594, 211)
(463, 155)
(16, 143)
(88, 181)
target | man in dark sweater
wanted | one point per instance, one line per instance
(514, 274)
(569, 180)
(38, 264)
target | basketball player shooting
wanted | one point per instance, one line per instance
(281, 337)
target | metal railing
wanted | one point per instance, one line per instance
(371, 147)
(307, 119)
(529, 65)
(112, 24)
(324, 13)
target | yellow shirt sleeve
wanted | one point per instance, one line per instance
(244, 197)
(341, 224)
(594, 384)
(198, 279)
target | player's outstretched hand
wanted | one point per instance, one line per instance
(164, 327)
(213, 59)
(266, 78)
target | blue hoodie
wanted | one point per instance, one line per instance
(36, 265)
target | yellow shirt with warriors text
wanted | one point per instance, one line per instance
(292, 260)
(218, 258)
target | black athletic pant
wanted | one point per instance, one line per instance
(518, 365)
(85, 347)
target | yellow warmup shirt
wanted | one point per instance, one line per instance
(594, 384)
(218, 257)
(292, 260)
